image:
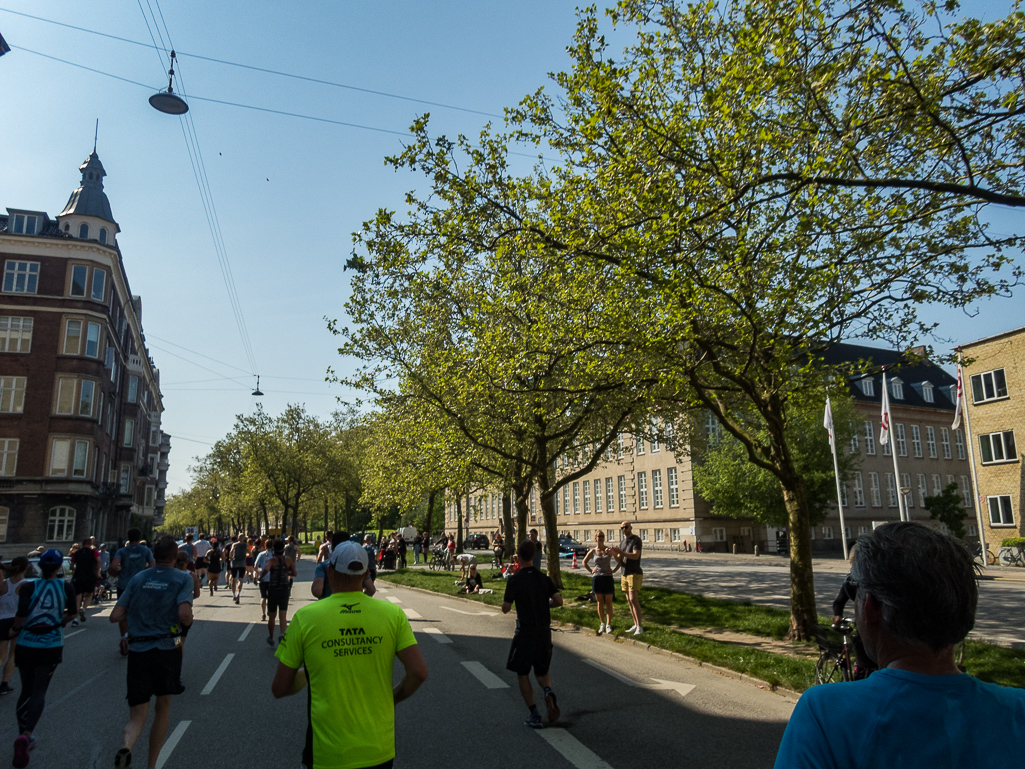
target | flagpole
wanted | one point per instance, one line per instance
(893, 449)
(962, 396)
(836, 475)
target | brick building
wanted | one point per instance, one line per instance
(80, 405)
(995, 394)
(645, 481)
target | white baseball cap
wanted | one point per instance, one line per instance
(349, 558)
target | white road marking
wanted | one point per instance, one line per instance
(393, 599)
(76, 690)
(571, 749)
(71, 635)
(471, 613)
(245, 632)
(659, 684)
(485, 676)
(217, 674)
(171, 743)
(412, 614)
(437, 635)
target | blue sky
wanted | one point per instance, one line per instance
(288, 192)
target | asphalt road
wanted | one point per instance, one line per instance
(621, 704)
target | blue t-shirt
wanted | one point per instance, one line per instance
(897, 718)
(151, 601)
(134, 558)
(321, 573)
(41, 604)
(261, 561)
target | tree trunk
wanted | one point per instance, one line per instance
(803, 615)
(459, 525)
(430, 510)
(509, 535)
(552, 539)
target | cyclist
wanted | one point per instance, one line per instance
(863, 664)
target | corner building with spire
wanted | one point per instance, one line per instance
(81, 449)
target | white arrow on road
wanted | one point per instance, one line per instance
(658, 684)
(460, 611)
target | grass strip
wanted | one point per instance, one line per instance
(665, 611)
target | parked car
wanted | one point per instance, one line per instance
(476, 542)
(568, 546)
(33, 568)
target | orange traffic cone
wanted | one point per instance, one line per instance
(574, 560)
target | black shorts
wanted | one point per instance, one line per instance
(263, 589)
(238, 572)
(530, 649)
(84, 585)
(277, 598)
(5, 628)
(201, 563)
(603, 584)
(153, 673)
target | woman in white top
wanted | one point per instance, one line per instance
(602, 584)
(8, 606)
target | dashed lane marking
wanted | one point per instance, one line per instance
(171, 743)
(572, 749)
(437, 635)
(392, 598)
(471, 613)
(412, 614)
(72, 635)
(217, 674)
(245, 632)
(485, 676)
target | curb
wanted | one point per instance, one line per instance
(726, 672)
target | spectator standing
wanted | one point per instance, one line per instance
(8, 608)
(45, 606)
(628, 554)
(534, 595)
(915, 600)
(602, 584)
(157, 605)
(418, 542)
(346, 645)
(536, 560)
(402, 547)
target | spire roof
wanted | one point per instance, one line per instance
(90, 199)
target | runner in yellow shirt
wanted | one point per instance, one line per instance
(344, 646)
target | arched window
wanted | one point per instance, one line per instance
(103, 234)
(66, 226)
(83, 231)
(60, 527)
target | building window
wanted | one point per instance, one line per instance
(989, 386)
(639, 445)
(133, 388)
(854, 443)
(966, 492)
(576, 497)
(15, 334)
(8, 457)
(103, 235)
(897, 388)
(891, 489)
(75, 397)
(129, 432)
(654, 438)
(21, 277)
(83, 231)
(24, 224)
(959, 442)
(60, 527)
(902, 441)
(930, 440)
(937, 485)
(656, 488)
(928, 392)
(12, 394)
(719, 534)
(859, 490)
(868, 387)
(873, 482)
(870, 441)
(608, 495)
(712, 429)
(945, 441)
(660, 535)
(674, 488)
(916, 440)
(642, 490)
(644, 535)
(565, 500)
(827, 532)
(72, 337)
(92, 340)
(1000, 511)
(674, 535)
(126, 480)
(610, 535)
(622, 492)
(4, 516)
(79, 277)
(998, 447)
(619, 446)
(597, 495)
(587, 496)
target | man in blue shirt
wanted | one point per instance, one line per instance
(915, 600)
(129, 561)
(157, 605)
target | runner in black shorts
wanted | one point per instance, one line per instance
(534, 594)
(279, 570)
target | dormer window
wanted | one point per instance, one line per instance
(103, 234)
(25, 224)
(928, 392)
(868, 386)
(83, 231)
(897, 389)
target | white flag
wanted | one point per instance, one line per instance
(828, 424)
(960, 396)
(884, 427)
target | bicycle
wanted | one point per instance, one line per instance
(1012, 557)
(834, 663)
(977, 553)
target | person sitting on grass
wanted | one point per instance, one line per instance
(473, 581)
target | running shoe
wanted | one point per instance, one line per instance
(534, 721)
(270, 640)
(21, 749)
(6, 688)
(123, 758)
(631, 629)
(601, 629)
(81, 615)
(74, 622)
(638, 630)
(553, 707)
